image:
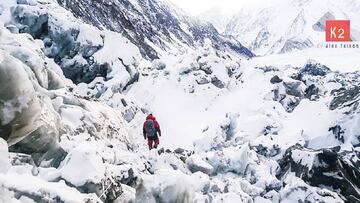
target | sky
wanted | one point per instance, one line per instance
(196, 7)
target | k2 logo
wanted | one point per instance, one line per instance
(338, 30)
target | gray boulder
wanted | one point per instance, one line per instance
(275, 79)
(293, 88)
(195, 164)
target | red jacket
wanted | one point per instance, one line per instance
(157, 126)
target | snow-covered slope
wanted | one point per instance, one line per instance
(283, 26)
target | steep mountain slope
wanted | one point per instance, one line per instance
(151, 25)
(284, 26)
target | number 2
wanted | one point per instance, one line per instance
(341, 35)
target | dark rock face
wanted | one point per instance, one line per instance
(86, 74)
(296, 44)
(312, 92)
(266, 151)
(315, 69)
(292, 88)
(237, 47)
(326, 168)
(275, 79)
(312, 69)
(217, 83)
(261, 38)
(338, 132)
(120, 17)
(345, 97)
(155, 22)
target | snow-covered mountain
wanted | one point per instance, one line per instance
(77, 79)
(283, 26)
(152, 25)
(217, 17)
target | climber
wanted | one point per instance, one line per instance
(151, 130)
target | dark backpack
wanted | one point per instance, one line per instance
(150, 128)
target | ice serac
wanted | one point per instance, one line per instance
(78, 48)
(44, 122)
(24, 106)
